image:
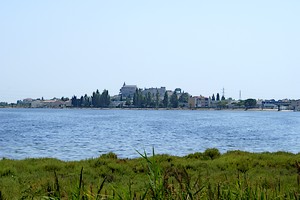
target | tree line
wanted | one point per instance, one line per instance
(150, 100)
(97, 100)
(217, 98)
(139, 100)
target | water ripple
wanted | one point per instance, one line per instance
(80, 134)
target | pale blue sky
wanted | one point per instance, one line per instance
(61, 48)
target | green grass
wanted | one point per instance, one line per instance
(207, 175)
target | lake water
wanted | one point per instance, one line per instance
(75, 134)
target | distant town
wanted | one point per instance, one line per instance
(130, 96)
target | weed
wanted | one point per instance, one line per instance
(208, 175)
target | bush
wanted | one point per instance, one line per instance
(212, 153)
(197, 155)
(109, 155)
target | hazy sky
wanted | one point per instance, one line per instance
(63, 48)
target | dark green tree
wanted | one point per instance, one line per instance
(104, 99)
(128, 101)
(148, 100)
(96, 99)
(107, 98)
(240, 103)
(81, 102)
(157, 99)
(138, 99)
(218, 97)
(223, 98)
(64, 99)
(250, 103)
(213, 97)
(184, 98)
(86, 101)
(135, 101)
(101, 101)
(222, 104)
(74, 101)
(166, 100)
(174, 100)
(153, 102)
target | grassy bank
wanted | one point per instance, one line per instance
(207, 175)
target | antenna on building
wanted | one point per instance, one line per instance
(223, 92)
(240, 95)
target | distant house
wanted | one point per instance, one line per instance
(199, 102)
(283, 104)
(28, 100)
(55, 103)
(269, 104)
(3, 104)
(295, 105)
(128, 90)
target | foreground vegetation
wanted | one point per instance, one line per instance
(208, 175)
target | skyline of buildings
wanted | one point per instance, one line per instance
(128, 92)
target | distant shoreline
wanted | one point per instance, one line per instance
(191, 109)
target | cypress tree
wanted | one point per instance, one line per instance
(148, 99)
(74, 101)
(174, 100)
(166, 100)
(96, 99)
(157, 99)
(218, 97)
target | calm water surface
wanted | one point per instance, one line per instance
(77, 134)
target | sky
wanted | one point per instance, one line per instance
(54, 48)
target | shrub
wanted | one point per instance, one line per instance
(109, 155)
(197, 155)
(212, 153)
